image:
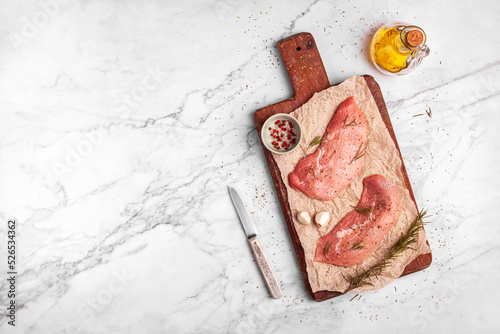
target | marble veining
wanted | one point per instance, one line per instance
(124, 122)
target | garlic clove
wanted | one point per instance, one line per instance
(322, 218)
(304, 218)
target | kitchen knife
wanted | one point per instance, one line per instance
(257, 250)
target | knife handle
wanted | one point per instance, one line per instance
(265, 268)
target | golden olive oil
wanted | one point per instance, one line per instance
(386, 51)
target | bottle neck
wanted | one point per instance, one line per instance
(401, 45)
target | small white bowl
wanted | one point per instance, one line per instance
(265, 134)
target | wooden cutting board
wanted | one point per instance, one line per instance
(307, 74)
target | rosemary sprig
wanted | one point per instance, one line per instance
(364, 277)
(353, 123)
(327, 247)
(363, 211)
(359, 153)
(316, 141)
(358, 245)
(311, 169)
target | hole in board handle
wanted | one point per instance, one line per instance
(298, 48)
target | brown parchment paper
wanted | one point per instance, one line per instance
(381, 157)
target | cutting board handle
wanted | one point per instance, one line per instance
(304, 66)
(305, 69)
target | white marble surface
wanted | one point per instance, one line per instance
(124, 121)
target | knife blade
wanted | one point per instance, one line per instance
(258, 252)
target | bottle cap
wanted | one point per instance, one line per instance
(415, 37)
